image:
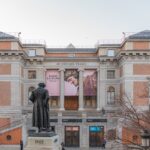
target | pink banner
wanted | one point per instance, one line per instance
(71, 80)
(53, 82)
(90, 83)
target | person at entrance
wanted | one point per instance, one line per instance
(104, 143)
(62, 146)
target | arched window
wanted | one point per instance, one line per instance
(111, 95)
(29, 93)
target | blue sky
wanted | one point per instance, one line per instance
(81, 22)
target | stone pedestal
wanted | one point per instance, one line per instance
(43, 141)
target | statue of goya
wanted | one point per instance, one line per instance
(40, 115)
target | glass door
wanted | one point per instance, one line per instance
(72, 136)
(96, 136)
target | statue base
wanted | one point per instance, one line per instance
(43, 141)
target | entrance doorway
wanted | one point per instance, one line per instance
(96, 136)
(71, 103)
(72, 136)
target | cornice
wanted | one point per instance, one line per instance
(11, 53)
(132, 53)
(107, 59)
(38, 59)
(22, 54)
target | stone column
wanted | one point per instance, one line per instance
(98, 89)
(81, 89)
(62, 88)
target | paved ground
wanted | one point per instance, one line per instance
(92, 149)
(85, 149)
(17, 147)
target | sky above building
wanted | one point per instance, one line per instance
(81, 22)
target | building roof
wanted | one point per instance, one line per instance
(6, 36)
(141, 35)
(70, 46)
(71, 50)
(109, 45)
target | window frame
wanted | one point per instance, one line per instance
(30, 54)
(111, 95)
(32, 77)
(111, 74)
(110, 53)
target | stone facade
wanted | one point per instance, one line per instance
(120, 68)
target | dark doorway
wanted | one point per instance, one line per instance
(96, 136)
(72, 136)
(71, 103)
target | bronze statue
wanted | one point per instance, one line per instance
(40, 115)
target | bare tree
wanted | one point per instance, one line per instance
(134, 119)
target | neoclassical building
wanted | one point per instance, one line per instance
(84, 85)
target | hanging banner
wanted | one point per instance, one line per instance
(53, 82)
(90, 83)
(71, 81)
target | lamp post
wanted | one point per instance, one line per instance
(145, 136)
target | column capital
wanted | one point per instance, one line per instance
(61, 69)
(98, 69)
(81, 69)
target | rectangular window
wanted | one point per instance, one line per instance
(54, 101)
(31, 52)
(110, 74)
(31, 74)
(110, 53)
(90, 101)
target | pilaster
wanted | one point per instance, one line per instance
(62, 88)
(81, 88)
(98, 89)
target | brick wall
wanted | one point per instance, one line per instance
(5, 69)
(4, 122)
(5, 93)
(140, 45)
(141, 69)
(140, 93)
(15, 134)
(5, 45)
(129, 135)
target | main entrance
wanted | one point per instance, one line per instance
(72, 136)
(96, 136)
(71, 103)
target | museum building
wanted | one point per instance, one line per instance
(84, 86)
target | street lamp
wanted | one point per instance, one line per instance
(145, 136)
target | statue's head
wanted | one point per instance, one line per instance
(41, 85)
